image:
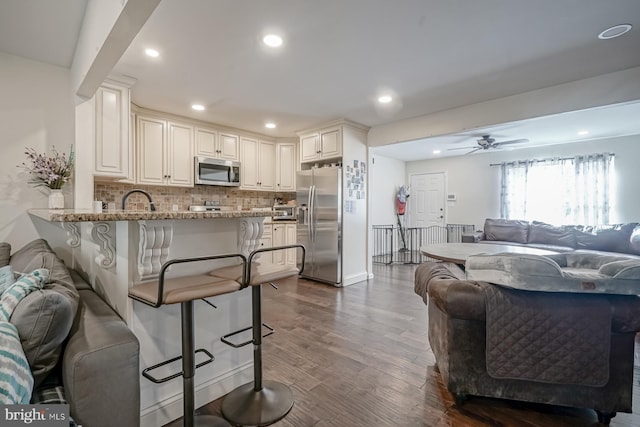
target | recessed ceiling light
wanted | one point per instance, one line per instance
(615, 31)
(385, 99)
(152, 53)
(270, 125)
(436, 151)
(583, 132)
(198, 107)
(272, 40)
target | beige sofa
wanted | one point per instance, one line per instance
(71, 337)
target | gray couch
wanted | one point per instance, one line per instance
(72, 336)
(578, 367)
(613, 239)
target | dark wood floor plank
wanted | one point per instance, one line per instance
(359, 356)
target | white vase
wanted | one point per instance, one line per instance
(56, 199)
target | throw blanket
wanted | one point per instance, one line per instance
(547, 337)
(16, 381)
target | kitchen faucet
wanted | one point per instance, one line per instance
(137, 190)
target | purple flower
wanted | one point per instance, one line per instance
(49, 171)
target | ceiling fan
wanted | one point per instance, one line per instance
(486, 142)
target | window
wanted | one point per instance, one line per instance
(558, 191)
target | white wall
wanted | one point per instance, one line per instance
(477, 185)
(387, 176)
(355, 252)
(36, 111)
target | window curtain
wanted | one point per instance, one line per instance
(558, 191)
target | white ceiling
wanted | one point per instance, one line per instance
(600, 123)
(338, 56)
(42, 30)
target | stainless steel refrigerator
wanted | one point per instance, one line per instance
(319, 197)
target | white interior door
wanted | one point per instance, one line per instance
(427, 200)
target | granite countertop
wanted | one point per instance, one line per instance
(78, 215)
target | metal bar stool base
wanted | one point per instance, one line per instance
(208, 421)
(246, 407)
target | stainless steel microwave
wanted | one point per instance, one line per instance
(217, 172)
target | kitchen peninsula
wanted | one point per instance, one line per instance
(115, 250)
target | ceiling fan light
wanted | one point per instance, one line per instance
(615, 31)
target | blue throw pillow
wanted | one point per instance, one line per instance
(16, 379)
(6, 278)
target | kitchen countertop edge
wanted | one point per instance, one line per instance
(77, 215)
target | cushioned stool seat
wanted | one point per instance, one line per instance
(260, 273)
(580, 272)
(182, 289)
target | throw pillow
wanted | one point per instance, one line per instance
(608, 238)
(541, 232)
(508, 230)
(5, 253)
(6, 278)
(16, 380)
(44, 318)
(19, 290)
(634, 241)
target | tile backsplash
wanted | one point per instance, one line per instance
(165, 198)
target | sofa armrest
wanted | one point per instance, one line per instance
(474, 237)
(100, 368)
(444, 285)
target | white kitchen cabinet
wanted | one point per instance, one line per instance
(258, 159)
(284, 234)
(266, 241)
(321, 145)
(285, 166)
(309, 148)
(291, 236)
(279, 239)
(164, 152)
(216, 145)
(180, 165)
(112, 144)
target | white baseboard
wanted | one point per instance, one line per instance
(354, 278)
(170, 409)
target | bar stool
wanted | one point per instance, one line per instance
(262, 402)
(185, 290)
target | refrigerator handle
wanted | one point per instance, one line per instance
(312, 213)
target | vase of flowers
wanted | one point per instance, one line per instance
(50, 171)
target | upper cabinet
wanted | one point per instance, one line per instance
(325, 144)
(113, 148)
(217, 145)
(258, 164)
(164, 152)
(285, 166)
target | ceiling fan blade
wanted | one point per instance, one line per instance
(514, 141)
(459, 148)
(473, 151)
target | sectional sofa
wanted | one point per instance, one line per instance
(78, 349)
(615, 239)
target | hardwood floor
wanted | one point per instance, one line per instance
(359, 356)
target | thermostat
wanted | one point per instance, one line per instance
(451, 197)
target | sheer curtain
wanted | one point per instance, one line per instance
(558, 191)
